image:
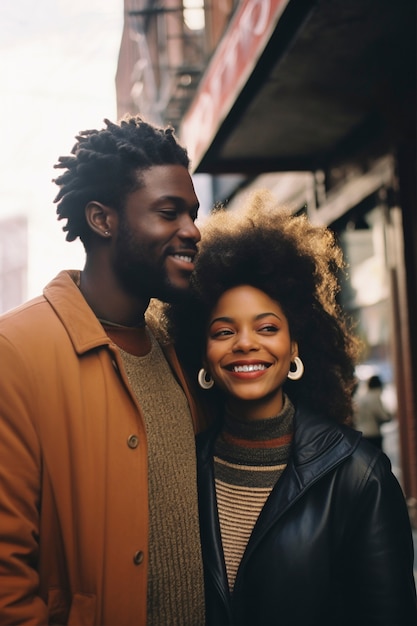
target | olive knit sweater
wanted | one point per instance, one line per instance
(175, 575)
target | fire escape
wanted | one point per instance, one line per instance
(170, 58)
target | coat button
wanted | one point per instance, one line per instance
(138, 557)
(133, 441)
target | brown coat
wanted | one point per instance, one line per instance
(73, 479)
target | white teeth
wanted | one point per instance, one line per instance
(249, 368)
(181, 257)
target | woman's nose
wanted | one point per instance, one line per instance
(245, 342)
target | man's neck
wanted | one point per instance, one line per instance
(110, 302)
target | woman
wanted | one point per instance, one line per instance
(302, 522)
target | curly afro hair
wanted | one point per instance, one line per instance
(105, 166)
(298, 265)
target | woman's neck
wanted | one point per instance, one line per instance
(249, 410)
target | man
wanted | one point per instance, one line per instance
(98, 503)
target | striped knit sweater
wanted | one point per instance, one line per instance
(249, 458)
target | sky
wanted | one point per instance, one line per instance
(58, 61)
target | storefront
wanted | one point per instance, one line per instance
(317, 100)
(328, 88)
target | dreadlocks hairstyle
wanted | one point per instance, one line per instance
(103, 166)
(296, 264)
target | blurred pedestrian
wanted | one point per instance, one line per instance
(370, 413)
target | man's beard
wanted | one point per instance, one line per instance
(140, 277)
(144, 281)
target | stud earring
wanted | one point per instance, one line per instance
(299, 369)
(107, 233)
(204, 379)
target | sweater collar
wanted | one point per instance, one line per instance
(260, 429)
(318, 444)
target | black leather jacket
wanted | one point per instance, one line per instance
(331, 547)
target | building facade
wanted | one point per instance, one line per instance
(314, 99)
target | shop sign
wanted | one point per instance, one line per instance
(228, 71)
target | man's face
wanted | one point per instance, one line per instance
(156, 238)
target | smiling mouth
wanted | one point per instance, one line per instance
(183, 257)
(258, 367)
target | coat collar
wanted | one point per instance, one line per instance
(319, 445)
(86, 332)
(79, 320)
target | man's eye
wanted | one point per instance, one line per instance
(169, 214)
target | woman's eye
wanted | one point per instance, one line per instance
(268, 328)
(222, 332)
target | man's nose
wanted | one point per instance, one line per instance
(189, 230)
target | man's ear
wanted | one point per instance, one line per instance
(101, 219)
